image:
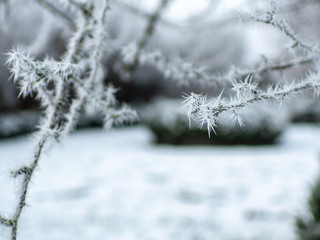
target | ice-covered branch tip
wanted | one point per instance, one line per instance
(208, 111)
(272, 18)
(35, 76)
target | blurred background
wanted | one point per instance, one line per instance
(161, 178)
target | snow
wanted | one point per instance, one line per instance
(118, 185)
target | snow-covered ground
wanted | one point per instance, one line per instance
(119, 186)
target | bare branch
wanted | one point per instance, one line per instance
(58, 12)
(6, 222)
(148, 32)
(238, 73)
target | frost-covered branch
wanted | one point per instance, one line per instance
(186, 72)
(26, 173)
(271, 18)
(35, 76)
(241, 73)
(64, 88)
(207, 111)
(182, 72)
(148, 32)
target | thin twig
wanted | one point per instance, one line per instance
(264, 68)
(148, 32)
(56, 11)
(6, 222)
(27, 173)
(185, 72)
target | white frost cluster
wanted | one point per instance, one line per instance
(207, 111)
(74, 83)
(34, 76)
(168, 114)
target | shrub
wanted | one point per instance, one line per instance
(308, 228)
(262, 125)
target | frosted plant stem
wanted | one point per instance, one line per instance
(51, 122)
(71, 90)
(91, 81)
(27, 173)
